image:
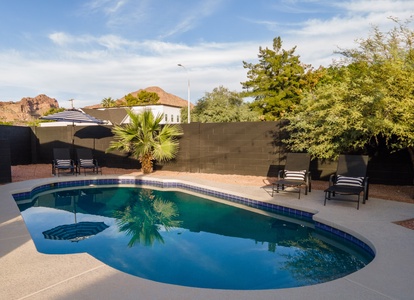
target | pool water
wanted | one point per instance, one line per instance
(178, 238)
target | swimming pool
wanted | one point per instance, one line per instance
(225, 233)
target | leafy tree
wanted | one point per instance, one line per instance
(108, 102)
(142, 98)
(53, 110)
(6, 123)
(184, 114)
(222, 105)
(146, 139)
(276, 83)
(366, 99)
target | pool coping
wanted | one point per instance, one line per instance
(387, 277)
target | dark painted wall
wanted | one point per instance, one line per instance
(20, 140)
(96, 138)
(5, 161)
(224, 148)
(231, 148)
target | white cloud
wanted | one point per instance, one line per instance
(89, 66)
(60, 38)
(376, 6)
(90, 76)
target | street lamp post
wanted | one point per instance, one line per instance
(188, 93)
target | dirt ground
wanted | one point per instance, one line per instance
(387, 192)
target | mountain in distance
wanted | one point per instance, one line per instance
(27, 109)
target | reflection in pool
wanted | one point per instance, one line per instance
(177, 238)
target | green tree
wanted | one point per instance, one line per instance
(184, 114)
(146, 139)
(276, 83)
(53, 110)
(108, 102)
(142, 98)
(366, 99)
(222, 105)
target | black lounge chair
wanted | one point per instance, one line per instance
(62, 161)
(86, 161)
(349, 180)
(295, 174)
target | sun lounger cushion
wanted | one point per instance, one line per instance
(85, 162)
(63, 162)
(349, 181)
(295, 175)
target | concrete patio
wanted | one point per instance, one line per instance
(28, 274)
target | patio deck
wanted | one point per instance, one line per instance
(28, 274)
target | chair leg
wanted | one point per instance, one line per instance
(358, 201)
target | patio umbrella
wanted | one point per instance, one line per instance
(75, 232)
(74, 116)
(94, 132)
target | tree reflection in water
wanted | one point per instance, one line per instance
(309, 265)
(143, 215)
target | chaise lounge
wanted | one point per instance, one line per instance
(62, 161)
(295, 174)
(86, 161)
(349, 180)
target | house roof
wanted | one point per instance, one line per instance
(165, 98)
(115, 115)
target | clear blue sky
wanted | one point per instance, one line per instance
(87, 50)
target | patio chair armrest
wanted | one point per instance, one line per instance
(280, 174)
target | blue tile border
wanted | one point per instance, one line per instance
(200, 190)
(346, 236)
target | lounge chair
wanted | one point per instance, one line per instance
(62, 161)
(86, 161)
(349, 180)
(295, 174)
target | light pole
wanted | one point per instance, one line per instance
(188, 93)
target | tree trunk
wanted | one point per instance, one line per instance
(146, 164)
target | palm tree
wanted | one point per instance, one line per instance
(108, 102)
(146, 139)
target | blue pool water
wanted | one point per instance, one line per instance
(177, 238)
